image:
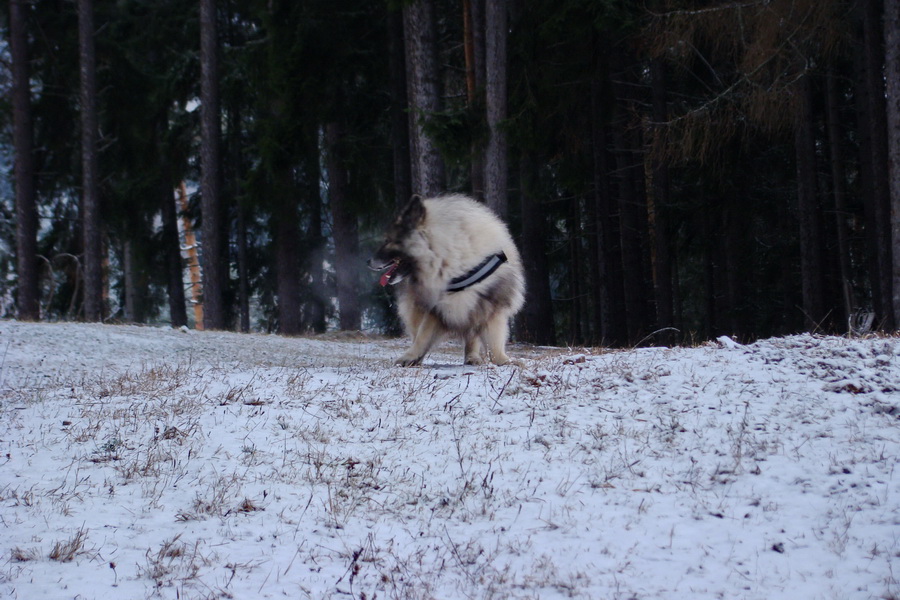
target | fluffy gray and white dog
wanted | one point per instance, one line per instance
(457, 272)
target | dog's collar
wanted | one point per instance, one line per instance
(478, 274)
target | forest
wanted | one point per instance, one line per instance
(672, 170)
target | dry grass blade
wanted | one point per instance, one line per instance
(66, 551)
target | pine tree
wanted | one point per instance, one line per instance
(28, 292)
(213, 254)
(90, 192)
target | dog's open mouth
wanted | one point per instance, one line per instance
(389, 272)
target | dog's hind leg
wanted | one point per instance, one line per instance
(495, 335)
(428, 332)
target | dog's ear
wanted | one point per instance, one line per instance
(413, 213)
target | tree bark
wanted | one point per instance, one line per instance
(474, 40)
(880, 236)
(659, 208)
(400, 120)
(172, 253)
(892, 79)
(345, 230)
(192, 257)
(536, 319)
(423, 91)
(130, 276)
(839, 194)
(630, 206)
(495, 157)
(213, 256)
(286, 232)
(609, 286)
(28, 287)
(811, 274)
(90, 200)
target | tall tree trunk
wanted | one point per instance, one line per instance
(400, 120)
(286, 237)
(213, 256)
(130, 276)
(243, 270)
(630, 206)
(659, 207)
(90, 199)
(867, 172)
(345, 229)
(474, 41)
(880, 237)
(576, 273)
(193, 259)
(28, 288)
(811, 273)
(316, 311)
(495, 157)
(536, 319)
(839, 185)
(609, 286)
(172, 253)
(892, 78)
(423, 84)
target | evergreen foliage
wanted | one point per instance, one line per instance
(676, 170)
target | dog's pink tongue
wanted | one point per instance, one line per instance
(386, 278)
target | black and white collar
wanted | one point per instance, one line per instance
(478, 274)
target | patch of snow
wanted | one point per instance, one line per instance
(141, 462)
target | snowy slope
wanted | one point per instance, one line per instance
(153, 463)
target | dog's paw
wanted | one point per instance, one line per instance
(408, 361)
(474, 360)
(505, 361)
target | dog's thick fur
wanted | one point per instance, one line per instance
(434, 241)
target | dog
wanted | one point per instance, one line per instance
(457, 272)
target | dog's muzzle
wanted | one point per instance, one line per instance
(389, 275)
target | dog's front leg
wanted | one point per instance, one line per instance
(474, 350)
(428, 332)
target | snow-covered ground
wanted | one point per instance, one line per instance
(154, 463)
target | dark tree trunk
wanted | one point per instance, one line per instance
(811, 273)
(659, 208)
(423, 85)
(630, 207)
(576, 273)
(879, 237)
(609, 286)
(400, 121)
(90, 207)
(495, 156)
(867, 175)
(213, 257)
(172, 252)
(892, 79)
(131, 278)
(28, 287)
(345, 229)
(243, 270)
(315, 314)
(838, 183)
(474, 40)
(286, 228)
(536, 319)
